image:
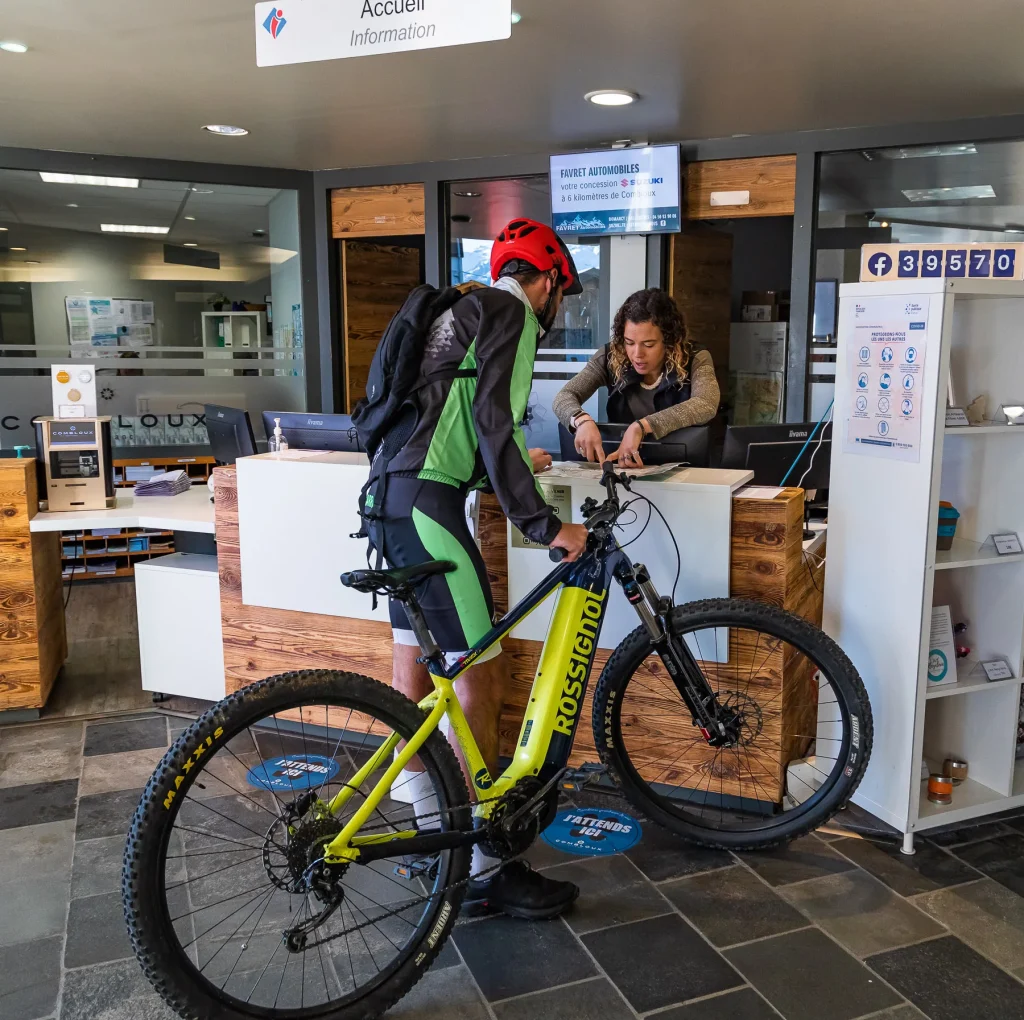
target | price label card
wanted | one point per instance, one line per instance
(1008, 544)
(997, 670)
(956, 417)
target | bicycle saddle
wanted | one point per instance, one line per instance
(390, 581)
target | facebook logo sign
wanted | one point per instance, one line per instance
(879, 264)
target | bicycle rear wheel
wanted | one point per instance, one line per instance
(801, 735)
(218, 859)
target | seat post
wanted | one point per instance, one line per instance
(419, 627)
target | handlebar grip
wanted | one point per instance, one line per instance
(556, 555)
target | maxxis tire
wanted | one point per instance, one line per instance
(155, 944)
(628, 656)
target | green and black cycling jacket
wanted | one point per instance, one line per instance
(472, 396)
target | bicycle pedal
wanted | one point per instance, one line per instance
(416, 867)
(575, 781)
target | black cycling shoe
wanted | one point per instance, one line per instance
(519, 891)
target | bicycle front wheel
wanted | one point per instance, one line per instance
(800, 726)
(222, 856)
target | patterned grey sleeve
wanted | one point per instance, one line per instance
(569, 400)
(700, 408)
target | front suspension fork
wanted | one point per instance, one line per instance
(683, 668)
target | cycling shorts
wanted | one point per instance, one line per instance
(426, 520)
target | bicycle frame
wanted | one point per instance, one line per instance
(556, 697)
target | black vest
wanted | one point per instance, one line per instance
(625, 404)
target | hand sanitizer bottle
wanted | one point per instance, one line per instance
(277, 442)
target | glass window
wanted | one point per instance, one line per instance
(479, 210)
(182, 293)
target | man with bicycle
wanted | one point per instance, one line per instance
(471, 397)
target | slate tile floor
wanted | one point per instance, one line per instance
(833, 927)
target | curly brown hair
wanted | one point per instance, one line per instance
(659, 308)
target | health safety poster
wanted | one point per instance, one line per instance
(885, 372)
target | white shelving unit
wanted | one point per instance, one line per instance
(885, 574)
(241, 331)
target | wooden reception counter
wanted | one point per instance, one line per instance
(764, 559)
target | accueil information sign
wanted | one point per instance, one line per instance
(298, 31)
(624, 191)
(996, 261)
(885, 376)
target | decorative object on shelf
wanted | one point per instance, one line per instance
(1013, 413)
(997, 669)
(956, 417)
(962, 651)
(107, 393)
(955, 769)
(925, 771)
(976, 409)
(940, 789)
(942, 650)
(1007, 544)
(948, 516)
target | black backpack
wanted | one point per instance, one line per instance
(387, 418)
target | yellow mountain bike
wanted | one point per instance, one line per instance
(276, 868)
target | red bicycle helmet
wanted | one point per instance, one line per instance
(538, 247)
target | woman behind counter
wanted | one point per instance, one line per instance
(656, 382)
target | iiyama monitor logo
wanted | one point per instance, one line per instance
(794, 434)
(314, 421)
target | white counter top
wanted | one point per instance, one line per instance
(189, 511)
(690, 477)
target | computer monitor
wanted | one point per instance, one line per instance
(684, 446)
(230, 433)
(314, 431)
(771, 450)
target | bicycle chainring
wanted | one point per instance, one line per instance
(508, 838)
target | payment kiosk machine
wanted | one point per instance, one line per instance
(76, 470)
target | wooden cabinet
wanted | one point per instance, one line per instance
(379, 211)
(33, 642)
(768, 181)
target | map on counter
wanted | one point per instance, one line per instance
(586, 471)
(885, 377)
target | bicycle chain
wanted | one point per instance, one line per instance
(413, 902)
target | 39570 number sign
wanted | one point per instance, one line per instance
(884, 262)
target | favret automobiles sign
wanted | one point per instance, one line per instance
(298, 31)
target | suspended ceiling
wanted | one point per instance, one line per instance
(140, 78)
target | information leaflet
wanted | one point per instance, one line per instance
(885, 372)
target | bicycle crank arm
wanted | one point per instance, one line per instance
(417, 846)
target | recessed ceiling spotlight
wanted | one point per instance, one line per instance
(128, 228)
(19, 249)
(72, 205)
(32, 262)
(516, 17)
(191, 219)
(12, 46)
(468, 194)
(225, 129)
(189, 244)
(3, 228)
(611, 97)
(884, 223)
(201, 191)
(100, 182)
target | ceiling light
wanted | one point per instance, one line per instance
(125, 228)
(950, 194)
(516, 17)
(3, 228)
(189, 244)
(11, 46)
(201, 191)
(884, 223)
(191, 219)
(921, 152)
(103, 182)
(225, 129)
(72, 205)
(611, 97)
(19, 249)
(32, 262)
(467, 194)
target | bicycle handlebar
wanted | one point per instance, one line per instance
(599, 513)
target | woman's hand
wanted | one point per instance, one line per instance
(588, 442)
(540, 459)
(628, 453)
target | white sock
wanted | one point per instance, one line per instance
(481, 862)
(415, 788)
